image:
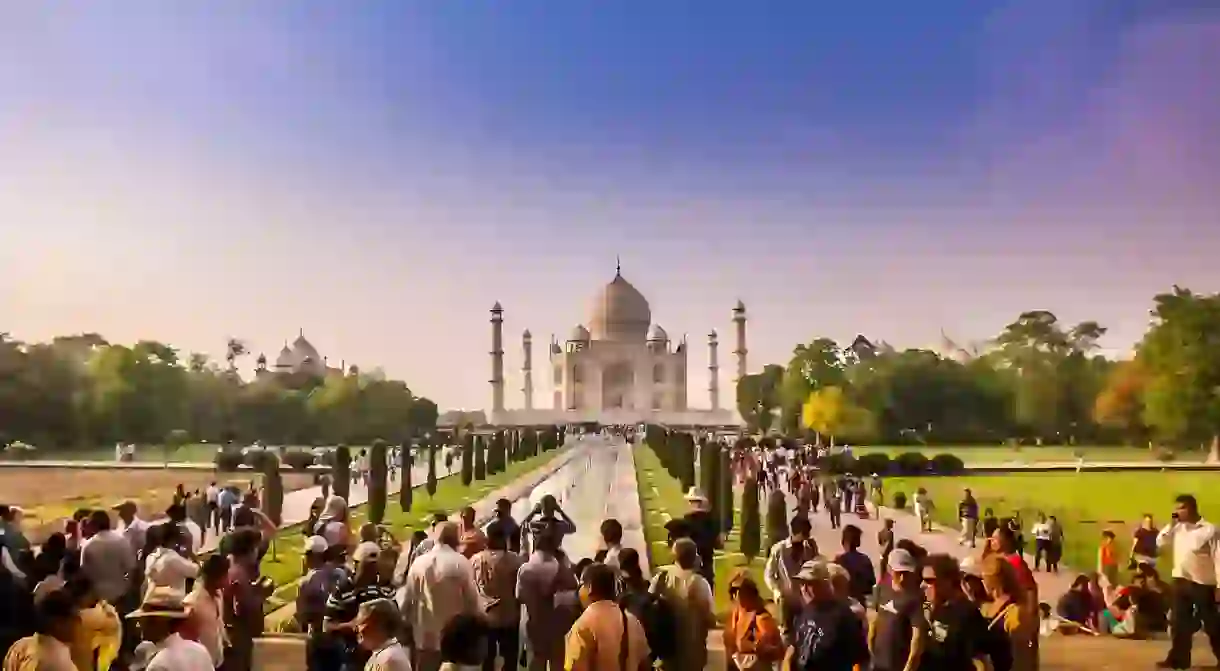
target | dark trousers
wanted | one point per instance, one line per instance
(505, 643)
(1042, 551)
(836, 512)
(1194, 607)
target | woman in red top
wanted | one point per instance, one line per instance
(1004, 542)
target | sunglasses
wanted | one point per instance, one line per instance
(928, 579)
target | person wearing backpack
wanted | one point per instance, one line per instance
(688, 593)
(660, 626)
(605, 637)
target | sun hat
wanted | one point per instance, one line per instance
(812, 571)
(695, 496)
(162, 601)
(367, 551)
(971, 566)
(315, 545)
(901, 561)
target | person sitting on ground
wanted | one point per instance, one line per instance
(1121, 619)
(1151, 597)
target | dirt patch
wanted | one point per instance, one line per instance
(50, 495)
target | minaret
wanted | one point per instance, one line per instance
(527, 369)
(497, 358)
(713, 369)
(739, 319)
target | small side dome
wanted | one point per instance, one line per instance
(657, 334)
(579, 334)
(284, 360)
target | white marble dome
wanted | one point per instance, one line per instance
(619, 312)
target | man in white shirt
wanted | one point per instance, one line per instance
(1196, 564)
(107, 557)
(439, 586)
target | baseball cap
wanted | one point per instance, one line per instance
(813, 570)
(367, 551)
(901, 561)
(315, 545)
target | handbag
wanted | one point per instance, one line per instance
(748, 661)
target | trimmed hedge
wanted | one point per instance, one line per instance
(299, 459)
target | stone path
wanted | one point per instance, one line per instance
(940, 541)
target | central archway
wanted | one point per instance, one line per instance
(618, 383)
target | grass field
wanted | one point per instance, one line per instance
(193, 453)
(662, 498)
(1086, 503)
(49, 495)
(995, 454)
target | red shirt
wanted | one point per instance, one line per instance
(1024, 575)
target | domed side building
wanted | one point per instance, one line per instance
(301, 358)
(619, 367)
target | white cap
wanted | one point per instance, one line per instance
(315, 545)
(367, 551)
(901, 561)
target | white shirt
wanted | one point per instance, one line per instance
(179, 654)
(390, 657)
(167, 568)
(1196, 550)
(1041, 531)
(196, 535)
(213, 494)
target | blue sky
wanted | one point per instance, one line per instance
(380, 173)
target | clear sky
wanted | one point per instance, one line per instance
(380, 173)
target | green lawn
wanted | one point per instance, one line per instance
(284, 568)
(995, 454)
(1086, 503)
(192, 453)
(661, 499)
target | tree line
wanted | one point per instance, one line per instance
(84, 391)
(1039, 381)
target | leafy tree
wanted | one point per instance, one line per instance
(1181, 357)
(758, 396)
(829, 412)
(176, 439)
(1120, 405)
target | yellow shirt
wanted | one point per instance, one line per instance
(98, 630)
(38, 653)
(594, 643)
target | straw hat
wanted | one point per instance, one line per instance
(162, 601)
(695, 495)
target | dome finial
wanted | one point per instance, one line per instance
(618, 266)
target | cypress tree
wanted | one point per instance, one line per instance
(404, 464)
(273, 488)
(377, 481)
(468, 460)
(725, 471)
(777, 518)
(708, 462)
(751, 531)
(430, 485)
(684, 454)
(480, 458)
(342, 472)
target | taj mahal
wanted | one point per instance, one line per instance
(619, 367)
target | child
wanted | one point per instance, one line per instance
(1107, 560)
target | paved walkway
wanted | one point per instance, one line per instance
(940, 541)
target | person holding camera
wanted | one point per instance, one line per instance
(1195, 548)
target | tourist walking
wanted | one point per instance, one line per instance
(504, 519)
(439, 586)
(683, 587)
(495, 575)
(377, 625)
(968, 514)
(206, 605)
(1195, 547)
(752, 639)
(784, 561)
(543, 583)
(899, 632)
(47, 649)
(858, 565)
(923, 510)
(704, 529)
(1012, 625)
(244, 595)
(827, 635)
(1143, 543)
(956, 628)
(106, 559)
(605, 637)
(1041, 532)
(162, 617)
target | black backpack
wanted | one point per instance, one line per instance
(658, 619)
